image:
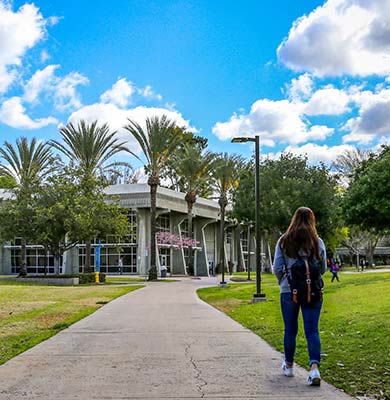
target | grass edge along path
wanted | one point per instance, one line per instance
(354, 327)
(32, 313)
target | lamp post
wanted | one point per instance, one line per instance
(258, 296)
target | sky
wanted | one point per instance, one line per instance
(309, 77)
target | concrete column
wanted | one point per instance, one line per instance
(178, 265)
(201, 225)
(143, 240)
(70, 263)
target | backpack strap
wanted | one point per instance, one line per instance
(308, 281)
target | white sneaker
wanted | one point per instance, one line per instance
(314, 378)
(289, 372)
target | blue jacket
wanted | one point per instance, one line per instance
(280, 260)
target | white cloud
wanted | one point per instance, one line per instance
(6, 78)
(61, 90)
(42, 80)
(373, 120)
(117, 117)
(20, 31)
(66, 96)
(148, 93)
(328, 101)
(340, 37)
(275, 121)
(300, 88)
(119, 94)
(13, 114)
(315, 153)
(44, 56)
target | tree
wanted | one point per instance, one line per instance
(194, 169)
(67, 214)
(347, 162)
(286, 184)
(169, 171)
(225, 173)
(244, 195)
(6, 182)
(122, 175)
(367, 200)
(27, 165)
(90, 147)
(158, 142)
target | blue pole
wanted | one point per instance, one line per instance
(97, 257)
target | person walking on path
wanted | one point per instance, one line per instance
(334, 269)
(300, 242)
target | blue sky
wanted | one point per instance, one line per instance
(310, 77)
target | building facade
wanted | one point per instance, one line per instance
(134, 250)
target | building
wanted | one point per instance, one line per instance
(134, 250)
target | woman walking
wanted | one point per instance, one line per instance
(298, 247)
(334, 269)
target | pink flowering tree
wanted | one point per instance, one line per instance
(175, 241)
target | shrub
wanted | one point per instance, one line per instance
(90, 278)
(83, 278)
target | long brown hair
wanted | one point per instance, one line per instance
(301, 235)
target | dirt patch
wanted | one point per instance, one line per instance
(17, 328)
(47, 321)
(12, 309)
(227, 305)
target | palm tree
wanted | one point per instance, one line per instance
(89, 146)
(225, 177)
(158, 143)
(26, 165)
(193, 167)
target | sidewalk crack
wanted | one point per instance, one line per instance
(199, 381)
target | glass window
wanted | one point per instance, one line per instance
(163, 223)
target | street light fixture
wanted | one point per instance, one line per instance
(258, 296)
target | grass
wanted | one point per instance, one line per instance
(31, 313)
(125, 279)
(354, 326)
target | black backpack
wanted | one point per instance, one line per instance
(305, 280)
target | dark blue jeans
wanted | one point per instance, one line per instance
(311, 315)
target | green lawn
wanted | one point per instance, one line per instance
(354, 326)
(31, 313)
(124, 279)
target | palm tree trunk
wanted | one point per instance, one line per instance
(153, 201)
(191, 269)
(23, 258)
(87, 266)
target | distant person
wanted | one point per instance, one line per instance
(299, 245)
(120, 265)
(334, 269)
(362, 265)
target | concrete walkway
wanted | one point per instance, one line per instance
(159, 342)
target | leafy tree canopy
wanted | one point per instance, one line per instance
(7, 182)
(286, 184)
(367, 200)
